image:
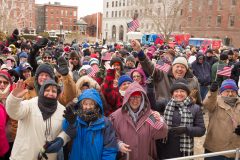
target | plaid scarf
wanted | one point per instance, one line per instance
(186, 142)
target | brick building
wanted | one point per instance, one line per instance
(91, 21)
(17, 14)
(213, 19)
(56, 17)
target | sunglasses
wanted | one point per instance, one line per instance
(4, 83)
(47, 57)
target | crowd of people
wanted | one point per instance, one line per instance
(100, 102)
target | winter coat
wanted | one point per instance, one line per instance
(211, 60)
(223, 119)
(171, 149)
(111, 94)
(30, 136)
(202, 71)
(163, 81)
(142, 135)
(96, 140)
(235, 74)
(3, 137)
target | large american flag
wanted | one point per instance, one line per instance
(225, 71)
(164, 67)
(133, 25)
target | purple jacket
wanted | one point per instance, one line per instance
(142, 135)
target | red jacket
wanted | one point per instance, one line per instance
(111, 94)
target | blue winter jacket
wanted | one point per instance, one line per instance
(96, 140)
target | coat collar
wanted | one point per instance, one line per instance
(224, 105)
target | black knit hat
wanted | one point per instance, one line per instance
(46, 68)
(116, 59)
(224, 56)
(180, 84)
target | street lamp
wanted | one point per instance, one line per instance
(61, 26)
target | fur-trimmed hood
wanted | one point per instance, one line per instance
(92, 84)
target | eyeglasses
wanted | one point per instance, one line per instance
(135, 98)
(4, 83)
(137, 76)
(47, 57)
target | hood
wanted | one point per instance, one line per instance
(92, 84)
(48, 83)
(139, 70)
(94, 95)
(133, 87)
(200, 54)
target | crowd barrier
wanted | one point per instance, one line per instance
(237, 157)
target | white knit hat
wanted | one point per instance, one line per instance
(180, 60)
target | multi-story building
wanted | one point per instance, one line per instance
(94, 25)
(204, 18)
(58, 19)
(17, 14)
(117, 13)
(213, 19)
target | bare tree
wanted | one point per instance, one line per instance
(165, 16)
(11, 15)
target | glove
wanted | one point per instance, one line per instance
(54, 146)
(178, 130)
(214, 86)
(42, 43)
(71, 131)
(237, 130)
(62, 67)
(68, 113)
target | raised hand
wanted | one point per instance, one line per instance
(135, 44)
(19, 91)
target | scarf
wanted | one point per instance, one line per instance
(89, 115)
(186, 142)
(47, 106)
(4, 94)
(135, 115)
(231, 101)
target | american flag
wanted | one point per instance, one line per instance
(155, 124)
(225, 71)
(95, 69)
(133, 25)
(164, 67)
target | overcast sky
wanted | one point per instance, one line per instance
(85, 7)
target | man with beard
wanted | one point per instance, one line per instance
(93, 137)
(224, 119)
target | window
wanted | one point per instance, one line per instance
(159, 11)
(219, 20)
(127, 13)
(116, 13)
(210, 4)
(140, 12)
(112, 3)
(119, 13)
(152, 26)
(219, 4)
(159, 1)
(151, 1)
(74, 13)
(112, 13)
(189, 21)
(234, 2)
(116, 3)
(209, 19)
(61, 12)
(231, 21)
(190, 6)
(199, 21)
(120, 3)
(107, 4)
(66, 12)
(106, 14)
(123, 2)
